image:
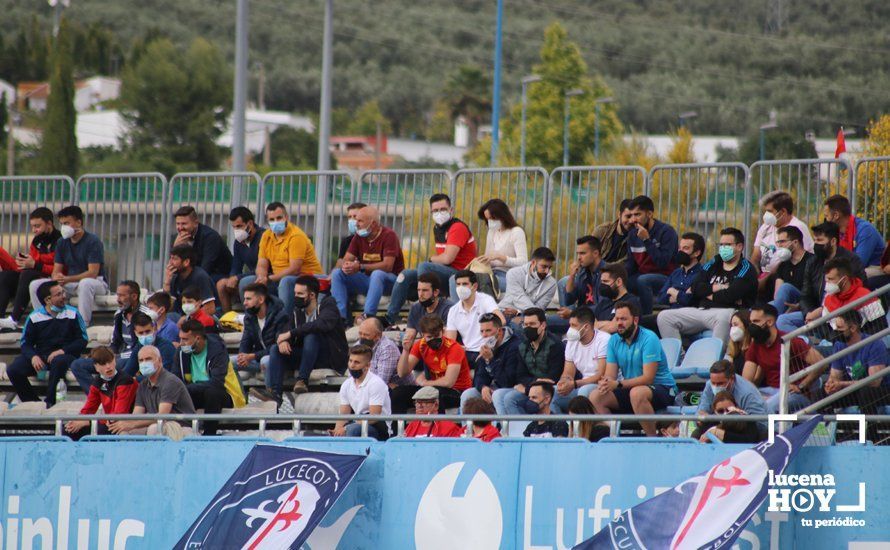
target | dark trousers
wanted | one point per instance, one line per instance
(21, 369)
(101, 429)
(303, 359)
(401, 398)
(213, 399)
(14, 286)
(868, 399)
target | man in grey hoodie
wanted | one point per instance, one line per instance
(530, 285)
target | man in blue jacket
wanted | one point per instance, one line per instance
(495, 367)
(54, 335)
(264, 320)
(651, 246)
(146, 334)
(677, 290)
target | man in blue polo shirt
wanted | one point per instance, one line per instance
(637, 378)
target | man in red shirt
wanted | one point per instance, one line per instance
(426, 401)
(114, 390)
(763, 358)
(455, 249)
(842, 287)
(370, 266)
(445, 367)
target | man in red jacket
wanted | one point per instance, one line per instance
(25, 268)
(426, 401)
(843, 287)
(115, 391)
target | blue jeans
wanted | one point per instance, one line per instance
(560, 403)
(645, 286)
(497, 398)
(84, 370)
(405, 285)
(787, 322)
(444, 272)
(304, 359)
(513, 402)
(373, 286)
(785, 294)
(565, 297)
(796, 401)
(284, 289)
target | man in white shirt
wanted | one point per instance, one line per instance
(585, 359)
(463, 317)
(363, 393)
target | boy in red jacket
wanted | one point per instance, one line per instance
(115, 391)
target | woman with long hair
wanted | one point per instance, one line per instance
(506, 245)
(591, 431)
(739, 339)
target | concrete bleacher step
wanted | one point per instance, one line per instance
(317, 403)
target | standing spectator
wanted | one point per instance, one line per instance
(581, 287)
(285, 254)
(726, 283)
(585, 359)
(842, 287)
(651, 246)
(158, 306)
(211, 253)
(446, 367)
(739, 339)
(613, 289)
(856, 234)
(541, 393)
(483, 430)
(37, 264)
(204, 366)
(181, 273)
(79, 263)
(677, 289)
(637, 378)
(264, 320)
(114, 391)
(789, 274)
(587, 429)
(351, 214)
(426, 401)
(247, 236)
(723, 378)
(314, 338)
(613, 235)
(530, 285)
(463, 318)
(145, 334)
(429, 301)
(778, 213)
(363, 393)
(505, 244)
(455, 249)
(764, 356)
(370, 266)
(385, 357)
(54, 336)
(496, 364)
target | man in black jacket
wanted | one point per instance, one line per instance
(212, 254)
(495, 366)
(726, 283)
(314, 338)
(264, 320)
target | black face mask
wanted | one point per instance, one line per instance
(366, 342)
(683, 258)
(628, 332)
(356, 373)
(607, 291)
(531, 333)
(434, 343)
(428, 302)
(252, 310)
(300, 302)
(758, 333)
(821, 250)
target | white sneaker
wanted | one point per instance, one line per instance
(7, 322)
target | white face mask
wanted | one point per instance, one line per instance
(783, 254)
(240, 235)
(152, 314)
(832, 288)
(67, 231)
(490, 342)
(441, 217)
(495, 225)
(736, 334)
(770, 219)
(464, 292)
(189, 308)
(718, 389)
(573, 335)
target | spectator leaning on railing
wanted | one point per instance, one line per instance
(843, 287)
(723, 378)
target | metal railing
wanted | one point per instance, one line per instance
(872, 196)
(19, 196)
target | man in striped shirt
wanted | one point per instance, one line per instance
(386, 353)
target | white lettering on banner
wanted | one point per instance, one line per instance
(306, 472)
(42, 528)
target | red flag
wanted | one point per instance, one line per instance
(841, 143)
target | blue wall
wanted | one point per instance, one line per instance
(532, 494)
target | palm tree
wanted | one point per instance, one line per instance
(468, 94)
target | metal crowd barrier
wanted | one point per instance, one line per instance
(19, 196)
(872, 197)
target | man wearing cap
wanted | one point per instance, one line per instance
(426, 401)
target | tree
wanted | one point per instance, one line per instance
(778, 144)
(873, 178)
(292, 149)
(58, 152)
(364, 121)
(468, 94)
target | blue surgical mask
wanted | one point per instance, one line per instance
(278, 227)
(56, 309)
(727, 252)
(147, 339)
(186, 348)
(147, 368)
(351, 226)
(106, 378)
(363, 232)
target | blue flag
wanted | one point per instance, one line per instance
(274, 500)
(707, 511)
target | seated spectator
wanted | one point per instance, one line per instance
(114, 391)
(668, 428)
(482, 429)
(183, 272)
(826, 236)
(842, 288)
(158, 305)
(585, 359)
(370, 266)
(203, 364)
(495, 368)
(723, 378)
(385, 352)
(677, 289)
(264, 320)
(637, 378)
(728, 431)
(541, 357)
(247, 236)
(37, 264)
(78, 264)
(856, 234)
(429, 301)
(455, 249)
(351, 215)
(211, 253)
(790, 273)
(53, 337)
(613, 235)
(463, 317)
(651, 246)
(285, 254)
(146, 335)
(446, 367)
(587, 429)
(541, 393)
(763, 358)
(160, 392)
(505, 244)
(581, 287)
(123, 341)
(426, 401)
(778, 213)
(725, 284)
(613, 289)
(874, 282)
(314, 339)
(363, 393)
(739, 339)
(529, 285)
(191, 299)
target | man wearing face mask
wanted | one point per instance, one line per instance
(79, 263)
(182, 273)
(247, 246)
(351, 213)
(651, 244)
(53, 337)
(724, 378)
(146, 335)
(842, 288)
(612, 290)
(211, 253)
(725, 284)
(778, 212)
(363, 393)
(264, 320)
(856, 235)
(158, 304)
(541, 394)
(677, 290)
(114, 391)
(385, 358)
(370, 266)
(530, 285)
(585, 360)
(463, 318)
(496, 364)
(789, 275)
(763, 358)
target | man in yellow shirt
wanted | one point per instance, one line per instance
(285, 253)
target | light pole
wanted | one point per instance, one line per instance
(763, 128)
(565, 126)
(496, 88)
(57, 6)
(240, 98)
(686, 116)
(526, 80)
(596, 124)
